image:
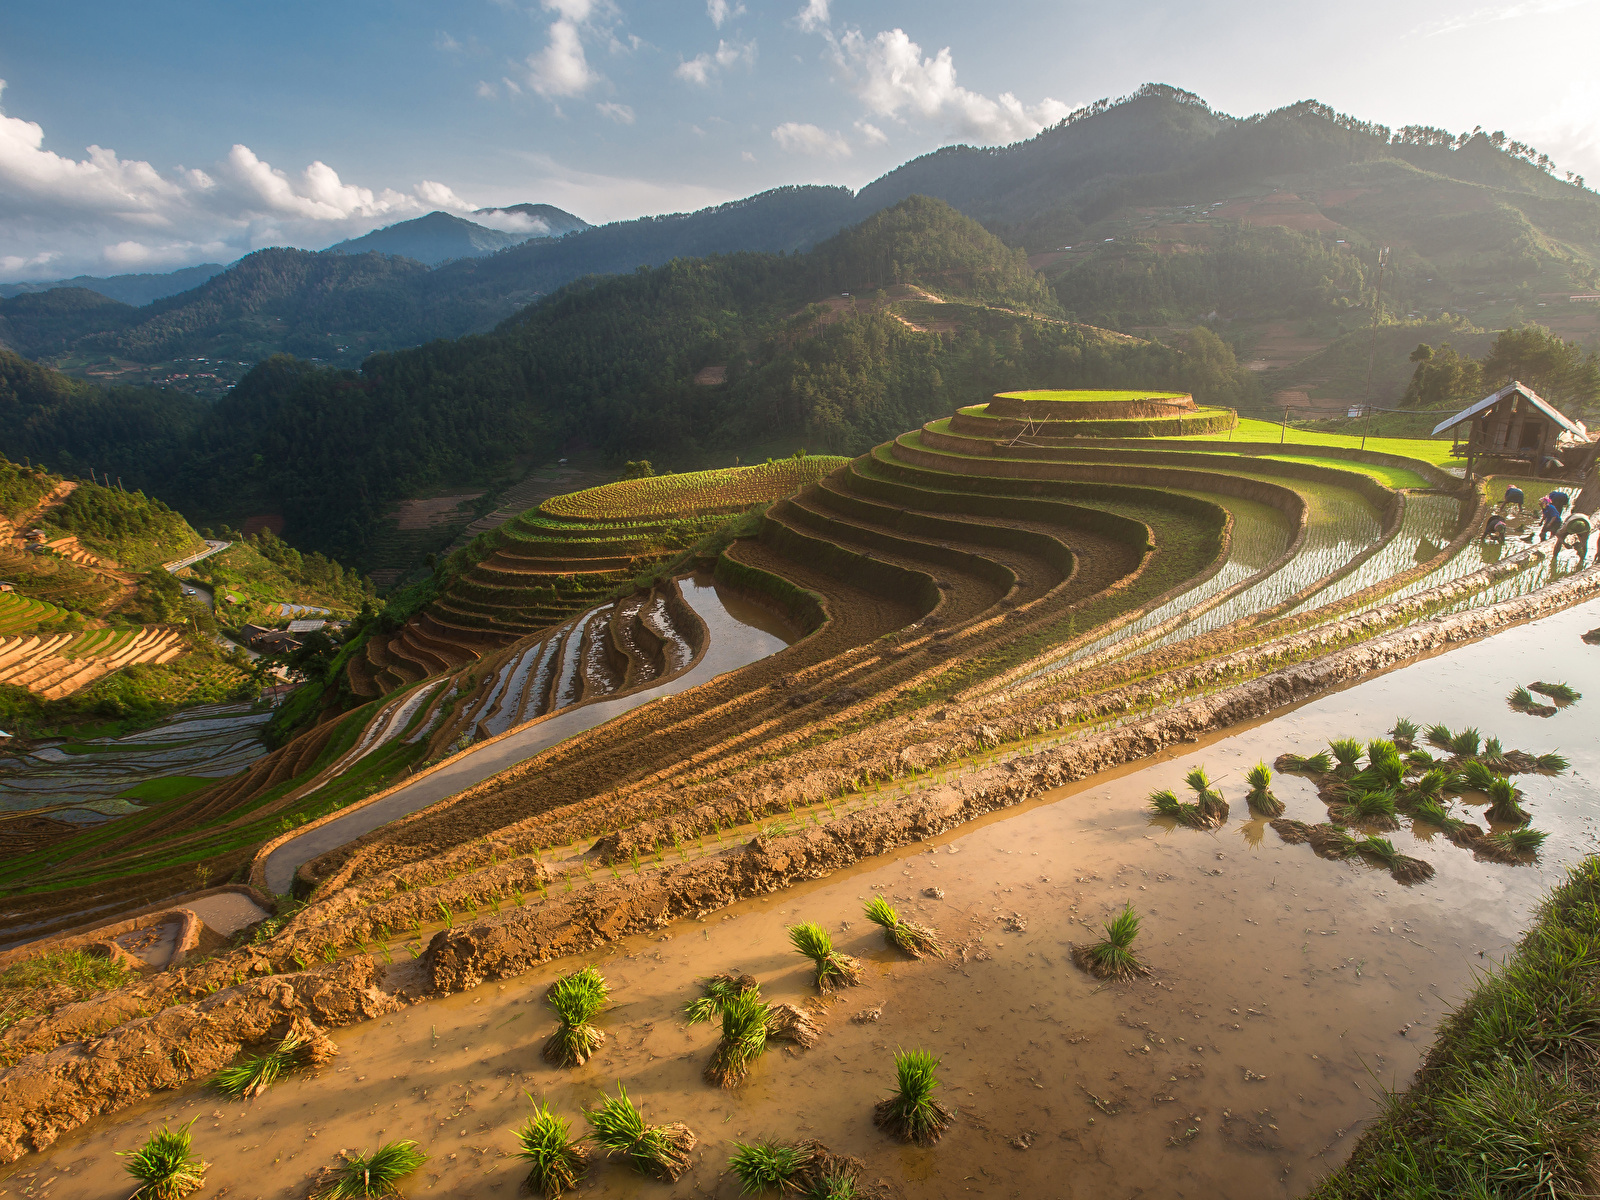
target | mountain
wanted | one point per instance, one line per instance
(545, 220)
(440, 237)
(127, 289)
(688, 363)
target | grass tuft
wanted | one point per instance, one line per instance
(768, 1166)
(577, 998)
(164, 1166)
(916, 940)
(375, 1174)
(834, 970)
(1112, 957)
(912, 1113)
(659, 1150)
(556, 1161)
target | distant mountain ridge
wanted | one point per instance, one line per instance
(136, 290)
(440, 237)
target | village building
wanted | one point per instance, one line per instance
(1516, 423)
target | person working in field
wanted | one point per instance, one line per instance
(1575, 533)
(1513, 496)
(1496, 529)
(1550, 521)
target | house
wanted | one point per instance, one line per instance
(7, 587)
(1513, 423)
(275, 641)
(305, 626)
(249, 633)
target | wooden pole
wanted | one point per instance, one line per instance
(1284, 432)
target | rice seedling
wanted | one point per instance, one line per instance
(1319, 763)
(556, 1160)
(659, 1150)
(1331, 841)
(1261, 800)
(768, 1166)
(1382, 750)
(744, 1039)
(790, 1023)
(1493, 755)
(1165, 803)
(1404, 733)
(1431, 784)
(375, 1174)
(164, 1166)
(1375, 808)
(1439, 735)
(1503, 806)
(303, 1045)
(1293, 833)
(1212, 807)
(718, 990)
(1403, 867)
(1421, 759)
(916, 940)
(837, 1184)
(1431, 810)
(1112, 957)
(912, 1113)
(1525, 842)
(1348, 753)
(1555, 763)
(577, 998)
(1559, 692)
(1465, 744)
(1383, 772)
(1521, 699)
(834, 970)
(1476, 776)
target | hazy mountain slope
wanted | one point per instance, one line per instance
(547, 219)
(432, 239)
(128, 289)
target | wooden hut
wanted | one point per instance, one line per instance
(1513, 423)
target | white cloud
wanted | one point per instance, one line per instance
(871, 134)
(813, 16)
(561, 69)
(891, 76)
(702, 67)
(1498, 13)
(443, 41)
(622, 114)
(103, 211)
(810, 139)
(486, 90)
(597, 197)
(746, 156)
(720, 10)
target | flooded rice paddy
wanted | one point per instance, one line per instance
(740, 632)
(85, 780)
(1285, 990)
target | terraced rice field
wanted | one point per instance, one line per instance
(566, 557)
(56, 665)
(983, 617)
(20, 613)
(86, 782)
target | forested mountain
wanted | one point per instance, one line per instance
(128, 289)
(611, 363)
(1173, 211)
(440, 237)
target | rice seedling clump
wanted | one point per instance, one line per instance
(164, 1166)
(1403, 867)
(1513, 846)
(1561, 693)
(1112, 957)
(718, 989)
(577, 998)
(1553, 763)
(1503, 806)
(304, 1045)
(1319, 763)
(1347, 751)
(916, 940)
(375, 1174)
(1212, 807)
(659, 1150)
(1440, 736)
(834, 970)
(768, 1165)
(1465, 744)
(1375, 808)
(1261, 800)
(744, 1039)
(1405, 733)
(912, 1113)
(556, 1161)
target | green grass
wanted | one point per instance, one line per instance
(1394, 477)
(36, 985)
(1505, 1104)
(168, 787)
(1428, 450)
(1082, 397)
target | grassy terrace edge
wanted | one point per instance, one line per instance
(1505, 1104)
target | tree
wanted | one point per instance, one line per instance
(640, 469)
(1558, 370)
(1442, 379)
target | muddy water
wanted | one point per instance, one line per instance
(741, 632)
(1283, 988)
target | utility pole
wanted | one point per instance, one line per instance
(1377, 308)
(1284, 431)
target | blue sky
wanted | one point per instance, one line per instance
(222, 128)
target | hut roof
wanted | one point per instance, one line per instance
(1490, 401)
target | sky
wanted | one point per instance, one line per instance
(150, 136)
